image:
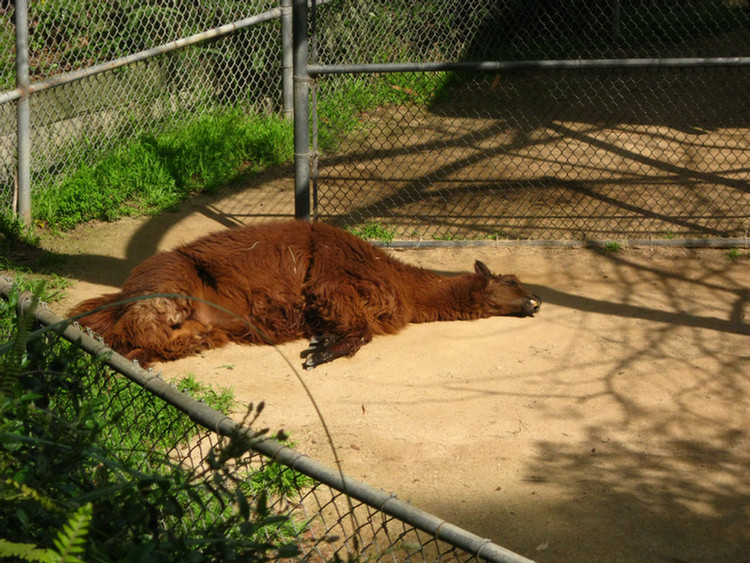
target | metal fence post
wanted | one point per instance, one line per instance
(615, 17)
(301, 112)
(287, 58)
(23, 134)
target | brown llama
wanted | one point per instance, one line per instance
(283, 281)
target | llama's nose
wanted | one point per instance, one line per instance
(534, 304)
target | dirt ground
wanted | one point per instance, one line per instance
(614, 426)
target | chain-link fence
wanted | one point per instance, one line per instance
(541, 145)
(103, 74)
(326, 515)
(602, 120)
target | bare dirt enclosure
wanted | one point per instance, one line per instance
(612, 427)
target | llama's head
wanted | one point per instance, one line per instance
(505, 295)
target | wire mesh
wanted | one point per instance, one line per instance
(77, 124)
(594, 155)
(7, 111)
(533, 153)
(539, 153)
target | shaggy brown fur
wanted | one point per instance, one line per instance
(283, 281)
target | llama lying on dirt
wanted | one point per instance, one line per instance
(284, 281)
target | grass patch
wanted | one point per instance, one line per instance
(343, 101)
(735, 255)
(155, 172)
(222, 398)
(374, 231)
(612, 247)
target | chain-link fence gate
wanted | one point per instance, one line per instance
(595, 120)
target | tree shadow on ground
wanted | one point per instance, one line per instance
(655, 466)
(535, 155)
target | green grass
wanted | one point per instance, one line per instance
(735, 255)
(13, 233)
(220, 398)
(374, 231)
(613, 247)
(342, 103)
(153, 173)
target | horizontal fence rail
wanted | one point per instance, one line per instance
(495, 66)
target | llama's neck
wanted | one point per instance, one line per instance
(443, 298)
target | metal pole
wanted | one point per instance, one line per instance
(301, 81)
(23, 170)
(566, 64)
(615, 5)
(315, 157)
(743, 242)
(287, 59)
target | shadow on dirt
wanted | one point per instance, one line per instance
(660, 479)
(532, 154)
(682, 501)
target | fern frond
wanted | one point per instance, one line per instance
(70, 540)
(26, 552)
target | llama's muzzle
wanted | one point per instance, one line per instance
(533, 305)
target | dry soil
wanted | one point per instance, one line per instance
(614, 426)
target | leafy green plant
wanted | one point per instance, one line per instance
(69, 543)
(374, 231)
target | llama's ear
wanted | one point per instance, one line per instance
(482, 269)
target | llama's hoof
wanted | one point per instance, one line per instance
(318, 352)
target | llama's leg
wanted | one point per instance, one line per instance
(328, 347)
(344, 315)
